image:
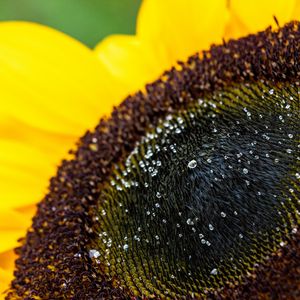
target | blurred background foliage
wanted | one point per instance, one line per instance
(87, 20)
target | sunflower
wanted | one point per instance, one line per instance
(54, 89)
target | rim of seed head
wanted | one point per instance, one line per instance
(57, 258)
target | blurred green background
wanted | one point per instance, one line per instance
(87, 20)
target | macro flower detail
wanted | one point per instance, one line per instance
(138, 219)
(190, 188)
(194, 201)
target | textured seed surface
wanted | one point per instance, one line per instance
(205, 196)
(56, 261)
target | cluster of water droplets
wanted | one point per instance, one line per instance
(138, 211)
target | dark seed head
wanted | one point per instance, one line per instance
(197, 193)
(206, 195)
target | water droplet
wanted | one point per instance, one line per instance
(189, 222)
(245, 171)
(211, 227)
(214, 272)
(125, 247)
(177, 130)
(94, 253)
(223, 215)
(192, 164)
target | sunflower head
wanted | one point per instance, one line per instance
(190, 189)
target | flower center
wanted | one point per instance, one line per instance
(206, 203)
(206, 195)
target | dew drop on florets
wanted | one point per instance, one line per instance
(94, 253)
(192, 164)
(245, 171)
(214, 272)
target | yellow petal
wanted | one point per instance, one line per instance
(5, 279)
(235, 28)
(9, 239)
(131, 60)
(28, 210)
(28, 158)
(12, 220)
(7, 260)
(51, 81)
(13, 225)
(24, 174)
(183, 27)
(54, 144)
(296, 12)
(259, 14)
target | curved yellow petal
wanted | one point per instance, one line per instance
(51, 81)
(5, 278)
(235, 27)
(7, 259)
(131, 60)
(296, 11)
(183, 27)
(52, 143)
(259, 14)
(24, 173)
(9, 238)
(27, 210)
(13, 220)
(167, 31)
(28, 158)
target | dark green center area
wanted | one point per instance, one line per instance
(206, 195)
